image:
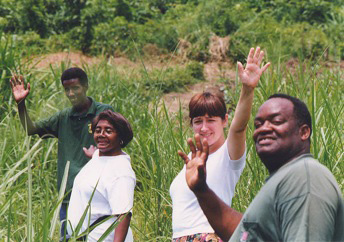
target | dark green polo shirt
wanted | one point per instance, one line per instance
(73, 131)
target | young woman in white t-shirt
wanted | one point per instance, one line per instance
(208, 118)
(107, 181)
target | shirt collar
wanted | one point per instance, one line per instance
(296, 159)
(91, 110)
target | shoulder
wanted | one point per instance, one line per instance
(102, 106)
(305, 175)
(64, 112)
(119, 166)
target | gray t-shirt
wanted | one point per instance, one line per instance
(299, 202)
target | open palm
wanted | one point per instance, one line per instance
(195, 173)
(18, 88)
(251, 74)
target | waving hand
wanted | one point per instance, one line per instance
(18, 89)
(252, 72)
(196, 167)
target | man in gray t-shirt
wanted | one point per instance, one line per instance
(300, 201)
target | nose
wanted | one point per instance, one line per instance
(69, 93)
(262, 129)
(204, 126)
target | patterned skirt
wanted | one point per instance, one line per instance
(204, 237)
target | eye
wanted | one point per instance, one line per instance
(197, 121)
(257, 124)
(277, 121)
(97, 131)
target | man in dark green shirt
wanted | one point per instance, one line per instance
(300, 201)
(72, 126)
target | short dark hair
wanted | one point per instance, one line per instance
(207, 103)
(300, 110)
(73, 73)
(119, 123)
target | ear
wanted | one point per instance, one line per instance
(225, 121)
(305, 132)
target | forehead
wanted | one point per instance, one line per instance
(71, 82)
(274, 107)
(206, 116)
(104, 123)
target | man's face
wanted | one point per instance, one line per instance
(277, 133)
(75, 92)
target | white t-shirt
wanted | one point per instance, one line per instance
(222, 176)
(114, 193)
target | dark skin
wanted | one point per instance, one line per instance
(277, 136)
(75, 92)
(122, 229)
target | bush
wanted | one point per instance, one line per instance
(174, 79)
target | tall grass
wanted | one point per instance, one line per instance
(28, 196)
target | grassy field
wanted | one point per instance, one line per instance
(28, 195)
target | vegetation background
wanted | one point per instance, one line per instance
(302, 39)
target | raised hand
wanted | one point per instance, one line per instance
(196, 167)
(252, 72)
(18, 88)
(90, 151)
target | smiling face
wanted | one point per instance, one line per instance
(210, 128)
(107, 139)
(75, 91)
(278, 137)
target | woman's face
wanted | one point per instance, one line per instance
(210, 128)
(107, 139)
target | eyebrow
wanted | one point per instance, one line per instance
(271, 116)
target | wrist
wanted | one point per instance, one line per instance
(246, 89)
(201, 190)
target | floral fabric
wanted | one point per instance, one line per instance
(204, 237)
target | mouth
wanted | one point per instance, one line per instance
(205, 135)
(102, 143)
(265, 140)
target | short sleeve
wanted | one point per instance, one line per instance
(48, 128)
(121, 195)
(236, 164)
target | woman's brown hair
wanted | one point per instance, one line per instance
(207, 103)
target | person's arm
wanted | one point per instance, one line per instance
(221, 217)
(122, 229)
(249, 78)
(20, 94)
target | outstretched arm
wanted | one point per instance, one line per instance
(249, 78)
(20, 94)
(221, 217)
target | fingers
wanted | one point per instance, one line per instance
(240, 69)
(256, 55)
(184, 157)
(260, 57)
(250, 56)
(16, 80)
(198, 143)
(192, 147)
(265, 67)
(205, 149)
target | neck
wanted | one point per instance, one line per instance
(274, 162)
(214, 147)
(110, 153)
(84, 106)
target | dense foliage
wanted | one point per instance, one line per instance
(305, 28)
